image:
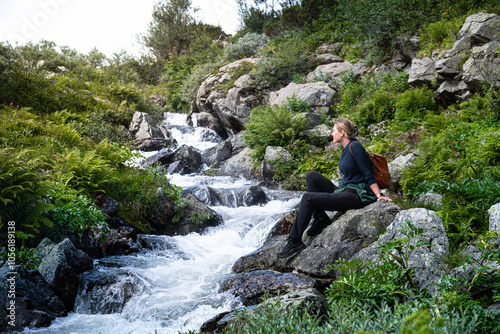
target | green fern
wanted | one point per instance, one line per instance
(21, 189)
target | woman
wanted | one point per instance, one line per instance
(357, 189)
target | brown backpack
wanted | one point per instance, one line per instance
(380, 168)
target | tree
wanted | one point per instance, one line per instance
(167, 33)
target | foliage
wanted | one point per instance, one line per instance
(439, 35)
(21, 189)
(368, 283)
(246, 46)
(414, 104)
(272, 126)
(72, 212)
(464, 205)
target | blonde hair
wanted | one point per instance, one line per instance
(351, 130)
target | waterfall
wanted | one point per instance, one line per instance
(175, 284)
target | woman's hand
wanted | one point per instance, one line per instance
(384, 198)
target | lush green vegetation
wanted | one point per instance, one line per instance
(62, 144)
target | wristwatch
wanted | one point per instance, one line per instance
(380, 195)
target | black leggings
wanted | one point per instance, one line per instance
(320, 197)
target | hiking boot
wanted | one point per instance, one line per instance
(320, 221)
(292, 247)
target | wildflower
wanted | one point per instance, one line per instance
(11, 104)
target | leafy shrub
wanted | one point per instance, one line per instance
(21, 189)
(368, 283)
(190, 86)
(439, 35)
(72, 212)
(84, 171)
(272, 126)
(246, 46)
(378, 108)
(414, 104)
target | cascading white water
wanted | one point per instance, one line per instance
(175, 286)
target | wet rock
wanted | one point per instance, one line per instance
(238, 165)
(121, 241)
(35, 303)
(217, 154)
(254, 195)
(148, 136)
(186, 160)
(60, 266)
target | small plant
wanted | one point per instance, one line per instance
(246, 46)
(73, 212)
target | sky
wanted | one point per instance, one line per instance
(108, 25)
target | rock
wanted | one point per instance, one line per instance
(121, 241)
(494, 218)
(253, 286)
(451, 91)
(482, 27)
(254, 195)
(148, 136)
(207, 120)
(230, 105)
(343, 238)
(430, 199)
(396, 168)
(35, 303)
(195, 217)
(110, 207)
(421, 72)
(60, 266)
(163, 156)
(425, 259)
(107, 292)
(309, 300)
(316, 94)
(187, 160)
(214, 156)
(479, 68)
(238, 165)
(284, 225)
(273, 157)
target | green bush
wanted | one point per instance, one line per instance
(414, 104)
(246, 46)
(21, 189)
(439, 35)
(272, 126)
(73, 212)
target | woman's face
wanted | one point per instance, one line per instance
(337, 135)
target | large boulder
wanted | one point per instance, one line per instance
(316, 94)
(253, 286)
(273, 158)
(60, 266)
(343, 238)
(195, 217)
(494, 218)
(479, 70)
(148, 135)
(482, 27)
(229, 104)
(27, 300)
(334, 70)
(238, 165)
(422, 72)
(396, 168)
(424, 252)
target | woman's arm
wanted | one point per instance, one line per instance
(380, 196)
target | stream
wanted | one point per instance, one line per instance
(174, 285)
